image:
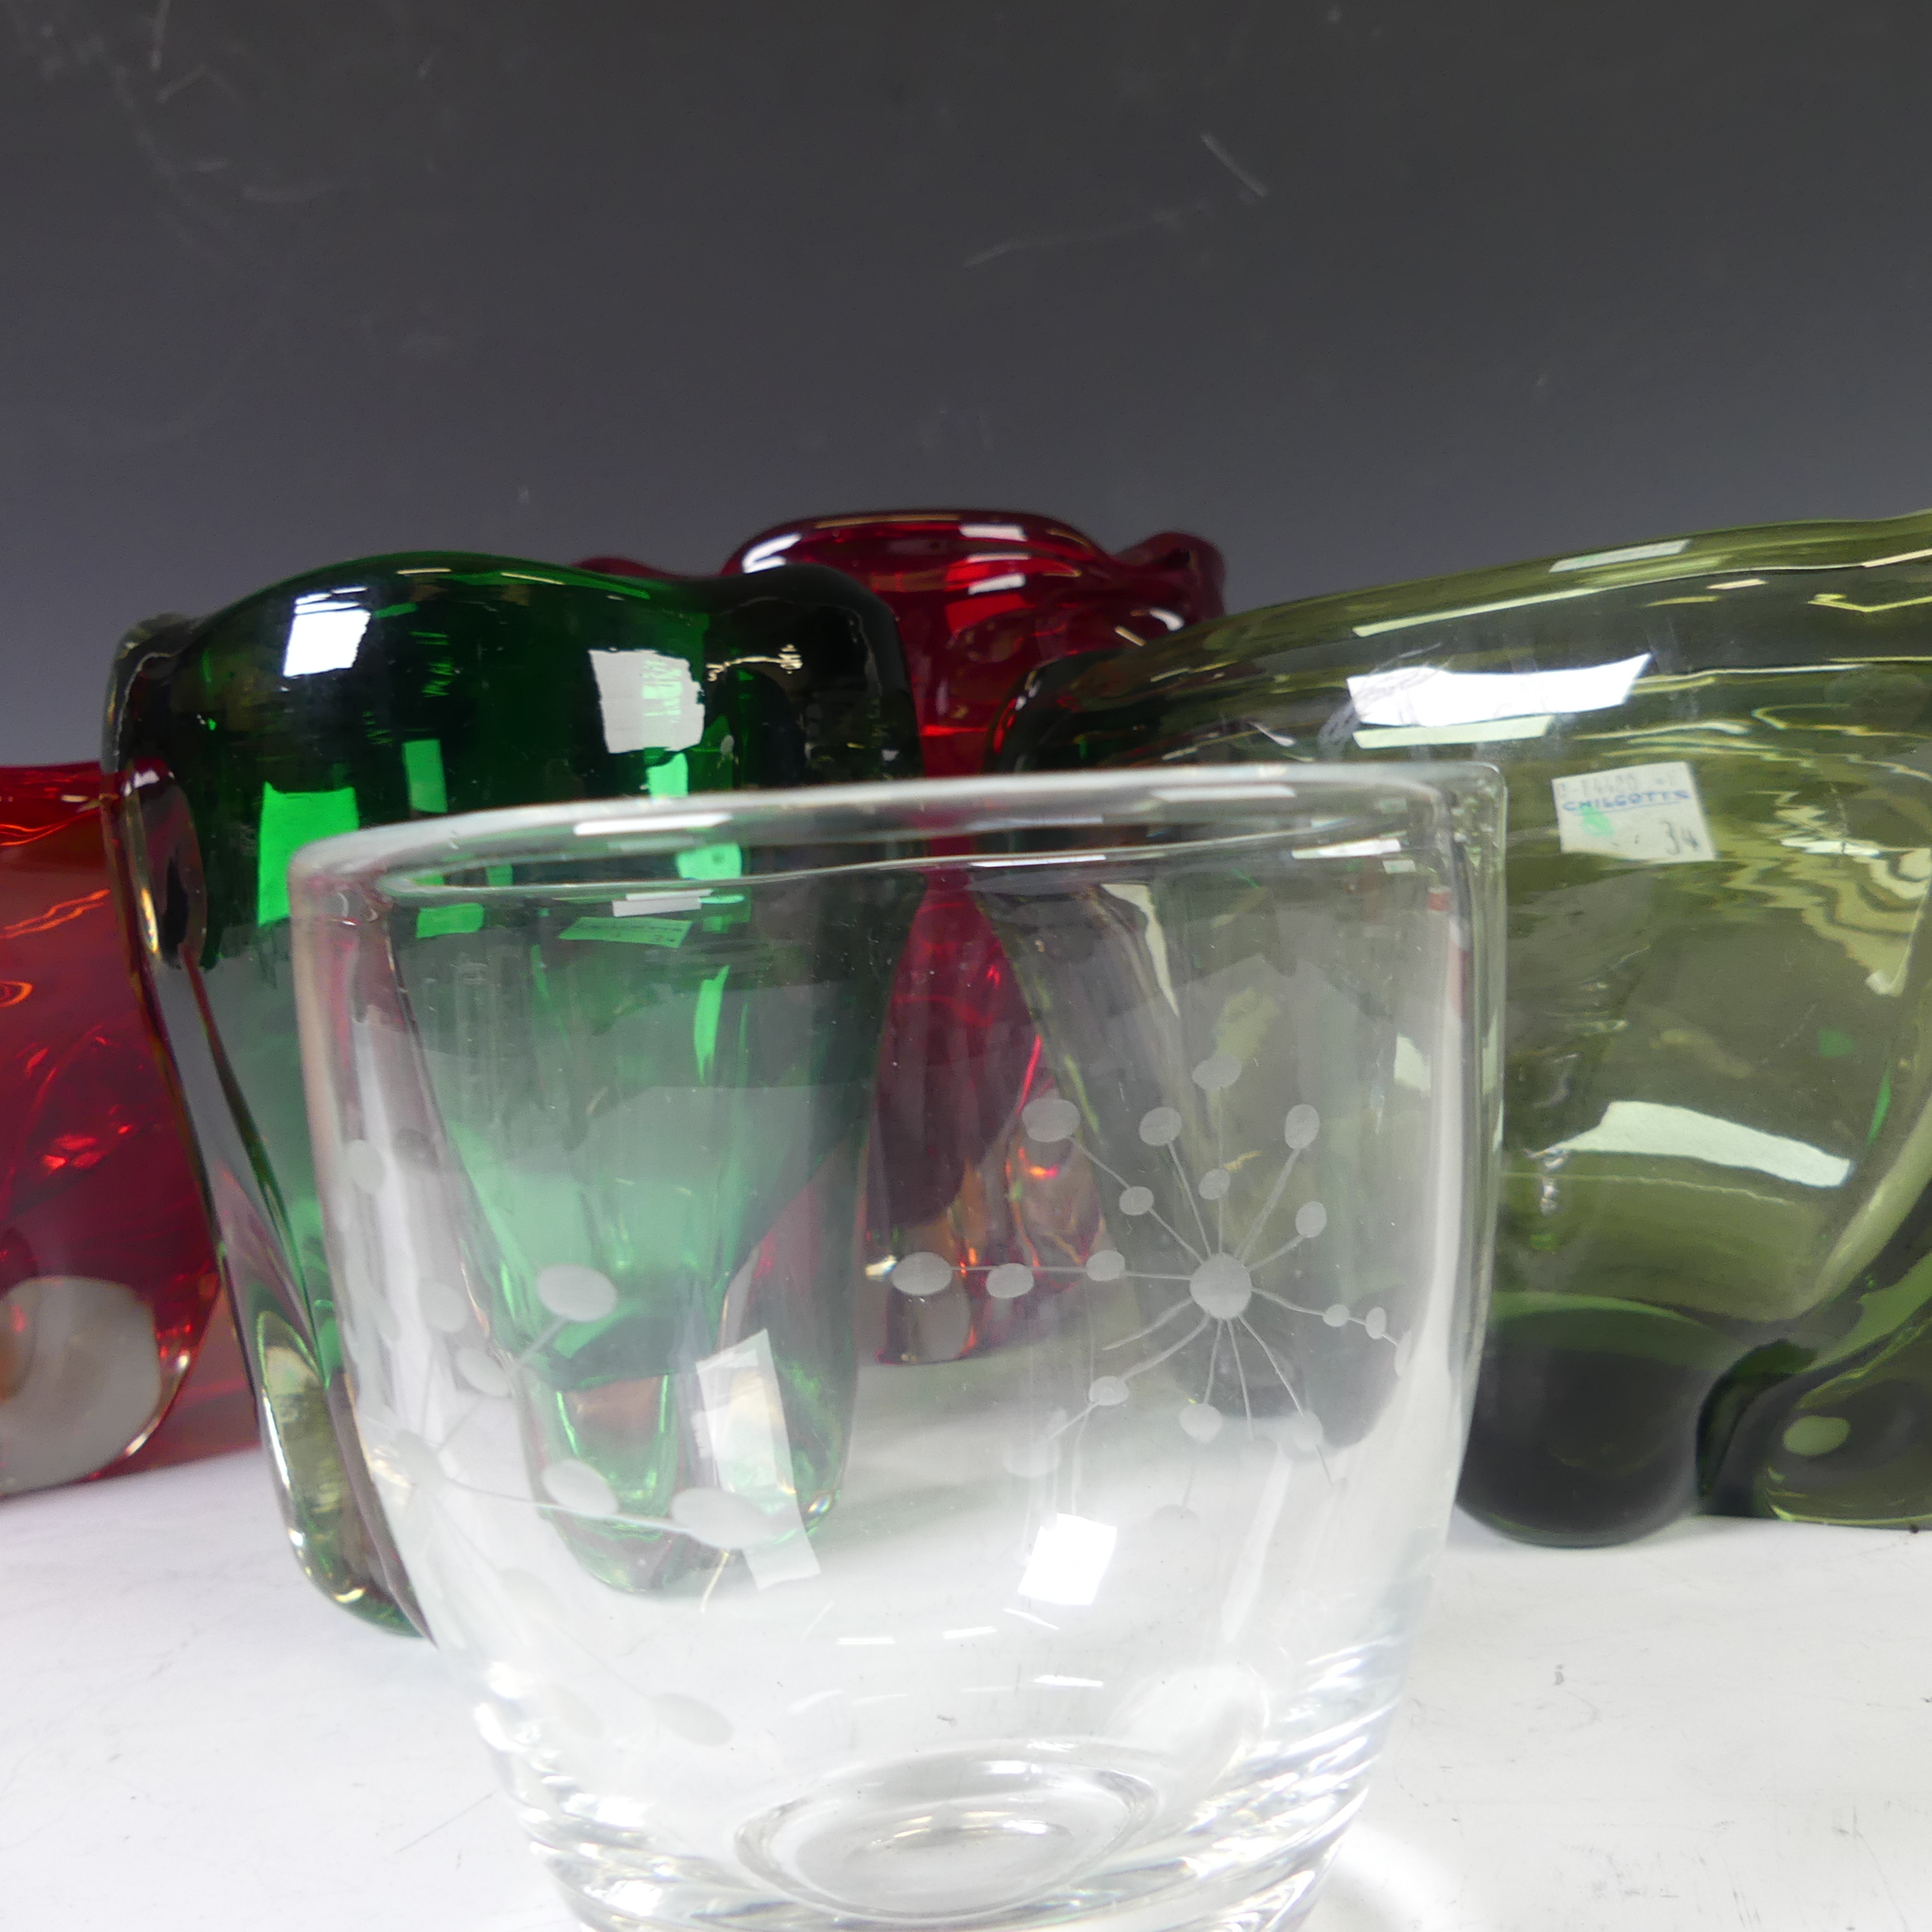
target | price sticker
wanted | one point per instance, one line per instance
(1649, 813)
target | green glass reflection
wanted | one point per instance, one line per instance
(1714, 1273)
(408, 686)
(672, 1099)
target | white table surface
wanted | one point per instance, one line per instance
(1728, 1726)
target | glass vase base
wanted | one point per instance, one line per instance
(930, 1840)
(967, 1840)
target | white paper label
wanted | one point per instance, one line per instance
(1650, 813)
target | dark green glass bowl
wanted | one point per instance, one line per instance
(1714, 1258)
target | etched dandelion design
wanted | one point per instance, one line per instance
(1214, 1301)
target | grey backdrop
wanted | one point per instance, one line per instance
(1361, 288)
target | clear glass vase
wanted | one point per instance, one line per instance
(1101, 1625)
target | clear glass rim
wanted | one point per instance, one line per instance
(871, 813)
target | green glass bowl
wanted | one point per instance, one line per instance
(407, 688)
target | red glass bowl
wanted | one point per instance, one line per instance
(985, 597)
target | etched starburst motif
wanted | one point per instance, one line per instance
(1213, 1310)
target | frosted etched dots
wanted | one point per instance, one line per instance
(531, 1595)
(383, 1315)
(363, 1162)
(718, 1518)
(1218, 1071)
(1221, 1287)
(482, 1372)
(421, 1467)
(1304, 1432)
(571, 1711)
(576, 1294)
(1050, 1119)
(1040, 1457)
(1008, 1280)
(1201, 1420)
(922, 1274)
(446, 1309)
(577, 1487)
(694, 1722)
(1376, 1321)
